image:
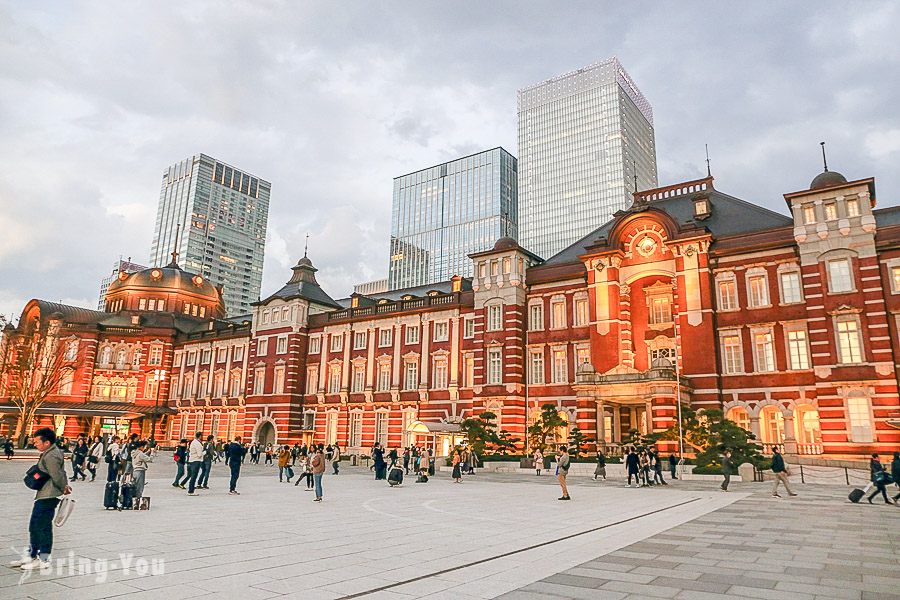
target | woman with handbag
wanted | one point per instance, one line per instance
(79, 454)
(94, 455)
(879, 478)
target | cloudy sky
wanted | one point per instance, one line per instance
(330, 100)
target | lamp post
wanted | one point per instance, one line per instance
(158, 376)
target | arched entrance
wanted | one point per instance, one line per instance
(807, 429)
(772, 427)
(265, 434)
(739, 415)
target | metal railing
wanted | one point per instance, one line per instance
(395, 306)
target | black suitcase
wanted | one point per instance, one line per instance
(422, 478)
(111, 495)
(856, 495)
(127, 496)
(396, 476)
(431, 467)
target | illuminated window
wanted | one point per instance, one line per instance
(412, 334)
(765, 352)
(312, 380)
(809, 214)
(732, 357)
(849, 344)
(727, 295)
(334, 379)
(790, 288)
(581, 312)
(440, 374)
(860, 419)
(560, 366)
(557, 314)
(798, 349)
(830, 212)
(537, 367)
(495, 366)
(758, 290)
(852, 208)
(839, 277)
(660, 311)
(279, 380)
(441, 331)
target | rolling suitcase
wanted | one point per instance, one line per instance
(857, 494)
(111, 495)
(395, 477)
(127, 496)
(422, 478)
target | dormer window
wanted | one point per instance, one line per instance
(701, 208)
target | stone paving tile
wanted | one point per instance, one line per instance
(572, 593)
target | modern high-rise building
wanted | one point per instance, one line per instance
(222, 213)
(444, 213)
(120, 265)
(583, 137)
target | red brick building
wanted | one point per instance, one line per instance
(788, 323)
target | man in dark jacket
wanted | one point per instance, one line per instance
(209, 454)
(879, 478)
(781, 473)
(235, 451)
(673, 464)
(40, 527)
(633, 466)
(726, 470)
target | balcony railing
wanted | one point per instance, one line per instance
(396, 306)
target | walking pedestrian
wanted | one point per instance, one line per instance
(335, 458)
(238, 450)
(538, 461)
(380, 464)
(180, 456)
(895, 473)
(879, 478)
(284, 457)
(195, 461)
(40, 527)
(254, 454)
(673, 464)
(94, 455)
(726, 470)
(318, 469)
(657, 468)
(406, 456)
(141, 457)
(424, 461)
(209, 455)
(457, 467)
(632, 465)
(218, 451)
(600, 471)
(112, 459)
(562, 469)
(79, 455)
(781, 473)
(8, 448)
(268, 454)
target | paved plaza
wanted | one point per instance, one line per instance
(495, 536)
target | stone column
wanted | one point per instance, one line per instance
(324, 349)
(370, 363)
(754, 428)
(617, 425)
(625, 340)
(601, 423)
(790, 441)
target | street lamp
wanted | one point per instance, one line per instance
(158, 376)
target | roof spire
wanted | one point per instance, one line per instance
(824, 161)
(175, 250)
(306, 247)
(634, 169)
(708, 170)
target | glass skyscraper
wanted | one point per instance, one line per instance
(582, 138)
(223, 213)
(446, 212)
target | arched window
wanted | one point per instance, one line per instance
(739, 415)
(772, 425)
(121, 357)
(105, 355)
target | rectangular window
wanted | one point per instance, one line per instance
(262, 347)
(727, 295)
(848, 342)
(441, 331)
(469, 373)
(265, 318)
(765, 352)
(201, 416)
(142, 304)
(359, 340)
(315, 345)
(758, 290)
(312, 380)
(235, 384)
(285, 313)
(279, 380)
(65, 383)
(507, 266)
(275, 314)
(356, 429)
(583, 353)
(337, 342)
(557, 315)
(384, 376)
(151, 304)
(494, 317)
(468, 328)
(191, 358)
(359, 378)
(798, 349)
(381, 428)
(581, 312)
(830, 212)
(238, 354)
(536, 317)
(560, 367)
(331, 422)
(281, 345)
(660, 311)
(259, 381)
(334, 379)
(809, 214)
(439, 374)
(218, 385)
(221, 354)
(790, 288)
(411, 378)
(839, 276)
(860, 419)
(412, 334)
(852, 208)
(156, 356)
(72, 351)
(205, 356)
(537, 367)
(384, 337)
(495, 366)
(895, 278)
(732, 360)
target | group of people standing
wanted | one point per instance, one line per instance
(194, 462)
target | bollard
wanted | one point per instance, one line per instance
(847, 475)
(802, 480)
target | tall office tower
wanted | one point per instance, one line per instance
(119, 265)
(582, 138)
(223, 214)
(446, 212)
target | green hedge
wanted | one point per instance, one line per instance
(708, 470)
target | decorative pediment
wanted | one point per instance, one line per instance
(622, 370)
(845, 309)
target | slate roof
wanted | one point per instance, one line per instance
(729, 216)
(303, 284)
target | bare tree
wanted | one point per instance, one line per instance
(32, 366)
